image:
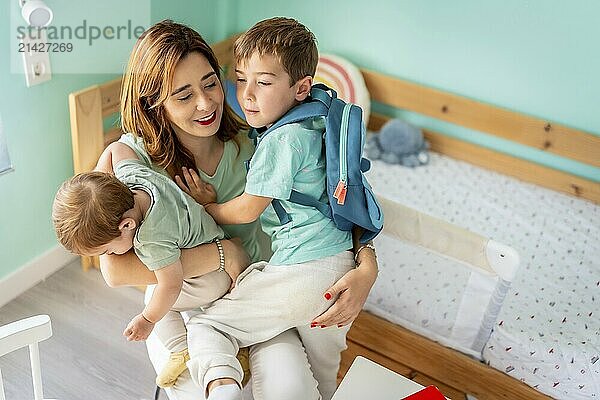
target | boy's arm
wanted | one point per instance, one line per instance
(166, 292)
(112, 154)
(241, 210)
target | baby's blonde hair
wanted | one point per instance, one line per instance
(87, 210)
(287, 39)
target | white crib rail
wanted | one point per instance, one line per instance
(449, 240)
(493, 266)
(26, 332)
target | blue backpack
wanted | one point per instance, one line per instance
(351, 199)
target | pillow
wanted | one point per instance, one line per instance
(345, 78)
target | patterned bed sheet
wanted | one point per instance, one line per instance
(548, 331)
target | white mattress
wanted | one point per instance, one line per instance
(548, 330)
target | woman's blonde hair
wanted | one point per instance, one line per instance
(147, 85)
(87, 210)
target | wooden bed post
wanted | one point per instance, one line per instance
(87, 109)
(87, 139)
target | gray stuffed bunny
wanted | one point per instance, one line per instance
(398, 143)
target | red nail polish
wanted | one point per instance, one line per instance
(340, 325)
(323, 326)
(327, 296)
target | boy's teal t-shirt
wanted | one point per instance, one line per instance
(228, 180)
(293, 157)
(173, 221)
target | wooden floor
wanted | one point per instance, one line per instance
(87, 357)
(424, 361)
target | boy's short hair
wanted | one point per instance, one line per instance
(285, 38)
(87, 210)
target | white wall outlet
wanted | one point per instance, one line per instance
(36, 59)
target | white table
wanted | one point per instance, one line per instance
(368, 380)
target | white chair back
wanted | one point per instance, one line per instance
(26, 332)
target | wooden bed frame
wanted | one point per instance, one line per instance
(397, 348)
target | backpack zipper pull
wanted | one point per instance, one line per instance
(340, 192)
(342, 186)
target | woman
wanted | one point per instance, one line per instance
(172, 101)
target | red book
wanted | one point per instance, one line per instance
(429, 393)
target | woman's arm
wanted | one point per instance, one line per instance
(353, 288)
(128, 270)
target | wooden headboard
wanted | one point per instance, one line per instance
(537, 133)
(90, 106)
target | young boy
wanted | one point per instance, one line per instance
(100, 213)
(276, 60)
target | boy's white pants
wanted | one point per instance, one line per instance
(268, 300)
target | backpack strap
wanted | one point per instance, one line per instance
(283, 216)
(305, 200)
(319, 102)
(299, 113)
(321, 93)
(317, 105)
(305, 110)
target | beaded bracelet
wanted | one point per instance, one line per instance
(221, 255)
(361, 248)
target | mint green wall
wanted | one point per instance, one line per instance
(539, 57)
(36, 125)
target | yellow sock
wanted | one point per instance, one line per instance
(243, 357)
(173, 368)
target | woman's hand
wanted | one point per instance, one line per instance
(202, 192)
(236, 259)
(353, 289)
